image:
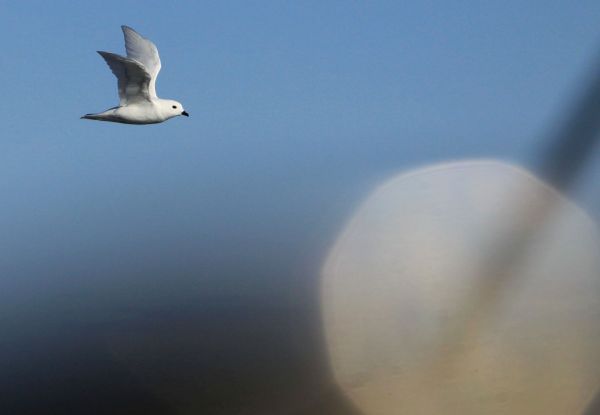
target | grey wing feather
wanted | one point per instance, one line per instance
(133, 79)
(145, 52)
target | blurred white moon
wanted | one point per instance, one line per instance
(397, 281)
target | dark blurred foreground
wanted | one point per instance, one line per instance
(212, 358)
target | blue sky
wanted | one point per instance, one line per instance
(297, 110)
(142, 263)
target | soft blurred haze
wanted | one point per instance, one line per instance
(174, 268)
(426, 310)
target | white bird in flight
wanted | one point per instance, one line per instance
(136, 75)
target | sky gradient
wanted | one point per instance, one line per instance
(298, 109)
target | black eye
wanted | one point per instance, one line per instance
(174, 107)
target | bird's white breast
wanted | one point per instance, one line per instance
(140, 113)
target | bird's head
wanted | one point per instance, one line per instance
(172, 108)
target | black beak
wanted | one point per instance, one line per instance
(185, 113)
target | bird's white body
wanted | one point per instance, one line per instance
(136, 75)
(152, 112)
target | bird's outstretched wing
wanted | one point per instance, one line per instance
(134, 79)
(145, 52)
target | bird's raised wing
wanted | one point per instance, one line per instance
(145, 52)
(133, 78)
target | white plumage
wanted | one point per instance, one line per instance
(136, 75)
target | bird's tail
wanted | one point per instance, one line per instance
(91, 117)
(107, 115)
